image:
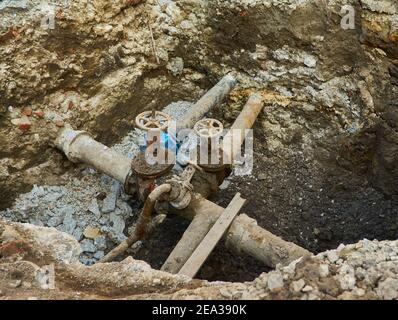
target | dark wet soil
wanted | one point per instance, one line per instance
(317, 205)
(222, 265)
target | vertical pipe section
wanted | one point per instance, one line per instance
(142, 224)
(78, 146)
(212, 98)
(235, 137)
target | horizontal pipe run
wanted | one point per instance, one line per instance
(78, 146)
(244, 235)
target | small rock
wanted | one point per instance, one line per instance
(332, 256)
(307, 289)
(186, 24)
(262, 176)
(88, 246)
(78, 234)
(23, 123)
(323, 270)
(225, 185)
(94, 208)
(59, 123)
(91, 233)
(69, 224)
(176, 66)
(15, 283)
(38, 114)
(298, 285)
(102, 29)
(310, 62)
(226, 293)
(275, 281)
(27, 111)
(347, 282)
(118, 226)
(156, 281)
(109, 203)
(100, 242)
(55, 221)
(99, 254)
(316, 232)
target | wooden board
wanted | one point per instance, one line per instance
(199, 256)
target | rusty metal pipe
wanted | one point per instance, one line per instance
(237, 134)
(249, 113)
(211, 99)
(244, 235)
(142, 223)
(78, 146)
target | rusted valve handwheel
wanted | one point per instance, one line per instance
(153, 120)
(208, 128)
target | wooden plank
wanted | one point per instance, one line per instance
(199, 256)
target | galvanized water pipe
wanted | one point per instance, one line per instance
(244, 235)
(78, 146)
(211, 99)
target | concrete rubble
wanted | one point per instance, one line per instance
(366, 270)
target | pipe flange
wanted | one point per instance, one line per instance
(143, 169)
(65, 142)
(180, 194)
(150, 120)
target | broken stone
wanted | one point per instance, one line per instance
(100, 242)
(88, 246)
(69, 224)
(78, 234)
(307, 289)
(91, 233)
(176, 66)
(262, 176)
(118, 226)
(332, 256)
(94, 208)
(99, 254)
(27, 111)
(298, 285)
(109, 203)
(15, 283)
(275, 281)
(226, 183)
(347, 282)
(55, 221)
(22, 123)
(323, 270)
(310, 62)
(38, 114)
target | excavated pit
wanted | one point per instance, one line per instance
(325, 145)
